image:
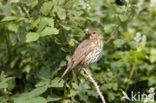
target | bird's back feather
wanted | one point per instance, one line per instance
(81, 51)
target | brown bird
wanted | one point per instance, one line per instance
(88, 52)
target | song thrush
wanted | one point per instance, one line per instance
(88, 52)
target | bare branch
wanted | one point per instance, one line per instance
(113, 34)
(95, 84)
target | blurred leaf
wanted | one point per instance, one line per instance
(9, 18)
(36, 92)
(63, 63)
(72, 42)
(3, 85)
(42, 83)
(13, 27)
(123, 18)
(108, 28)
(69, 3)
(8, 83)
(53, 98)
(36, 100)
(61, 13)
(34, 4)
(118, 43)
(32, 36)
(45, 21)
(65, 27)
(153, 55)
(46, 7)
(55, 83)
(49, 31)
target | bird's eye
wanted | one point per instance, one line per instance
(94, 32)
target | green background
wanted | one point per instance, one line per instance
(38, 37)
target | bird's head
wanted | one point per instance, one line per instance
(93, 34)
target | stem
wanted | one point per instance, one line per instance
(130, 77)
(113, 34)
(95, 84)
(8, 49)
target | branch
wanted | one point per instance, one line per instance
(113, 34)
(95, 84)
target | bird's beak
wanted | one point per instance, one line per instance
(86, 31)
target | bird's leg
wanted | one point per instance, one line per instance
(95, 84)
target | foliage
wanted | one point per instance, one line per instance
(38, 37)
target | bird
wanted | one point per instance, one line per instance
(88, 51)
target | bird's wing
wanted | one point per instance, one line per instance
(81, 51)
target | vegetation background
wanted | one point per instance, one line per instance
(37, 38)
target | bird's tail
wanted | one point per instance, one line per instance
(69, 68)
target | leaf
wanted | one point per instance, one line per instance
(32, 36)
(153, 55)
(42, 83)
(34, 4)
(61, 13)
(13, 27)
(49, 31)
(36, 100)
(9, 18)
(36, 92)
(63, 63)
(108, 28)
(55, 83)
(3, 85)
(8, 83)
(118, 43)
(72, 42)
(44, 74)
(45, 21)
(123, 18)
(53, 98)
(65, 27)
(46, 7)
(69, 4)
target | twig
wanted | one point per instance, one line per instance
(95, 84)
(111, 38)
(113, 34)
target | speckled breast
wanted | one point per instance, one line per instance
(94, 55)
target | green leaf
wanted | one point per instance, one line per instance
(123, 18)
(63, 63)
(8, 83)
(42, 83)
(72, 42)
(118, 43)
(45, 21)
(55, 83)
(61, 13)
(36, 100)
(49, 31)
(32, 36)
(35, 3)
(46, 7)
(3, 85)
(9, 18)
(65, 27)
(53, 98)
(36, 92)
(108, 28)
(153, 55)
(13, 27)
(69, 4)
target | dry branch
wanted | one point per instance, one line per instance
(95, 84)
